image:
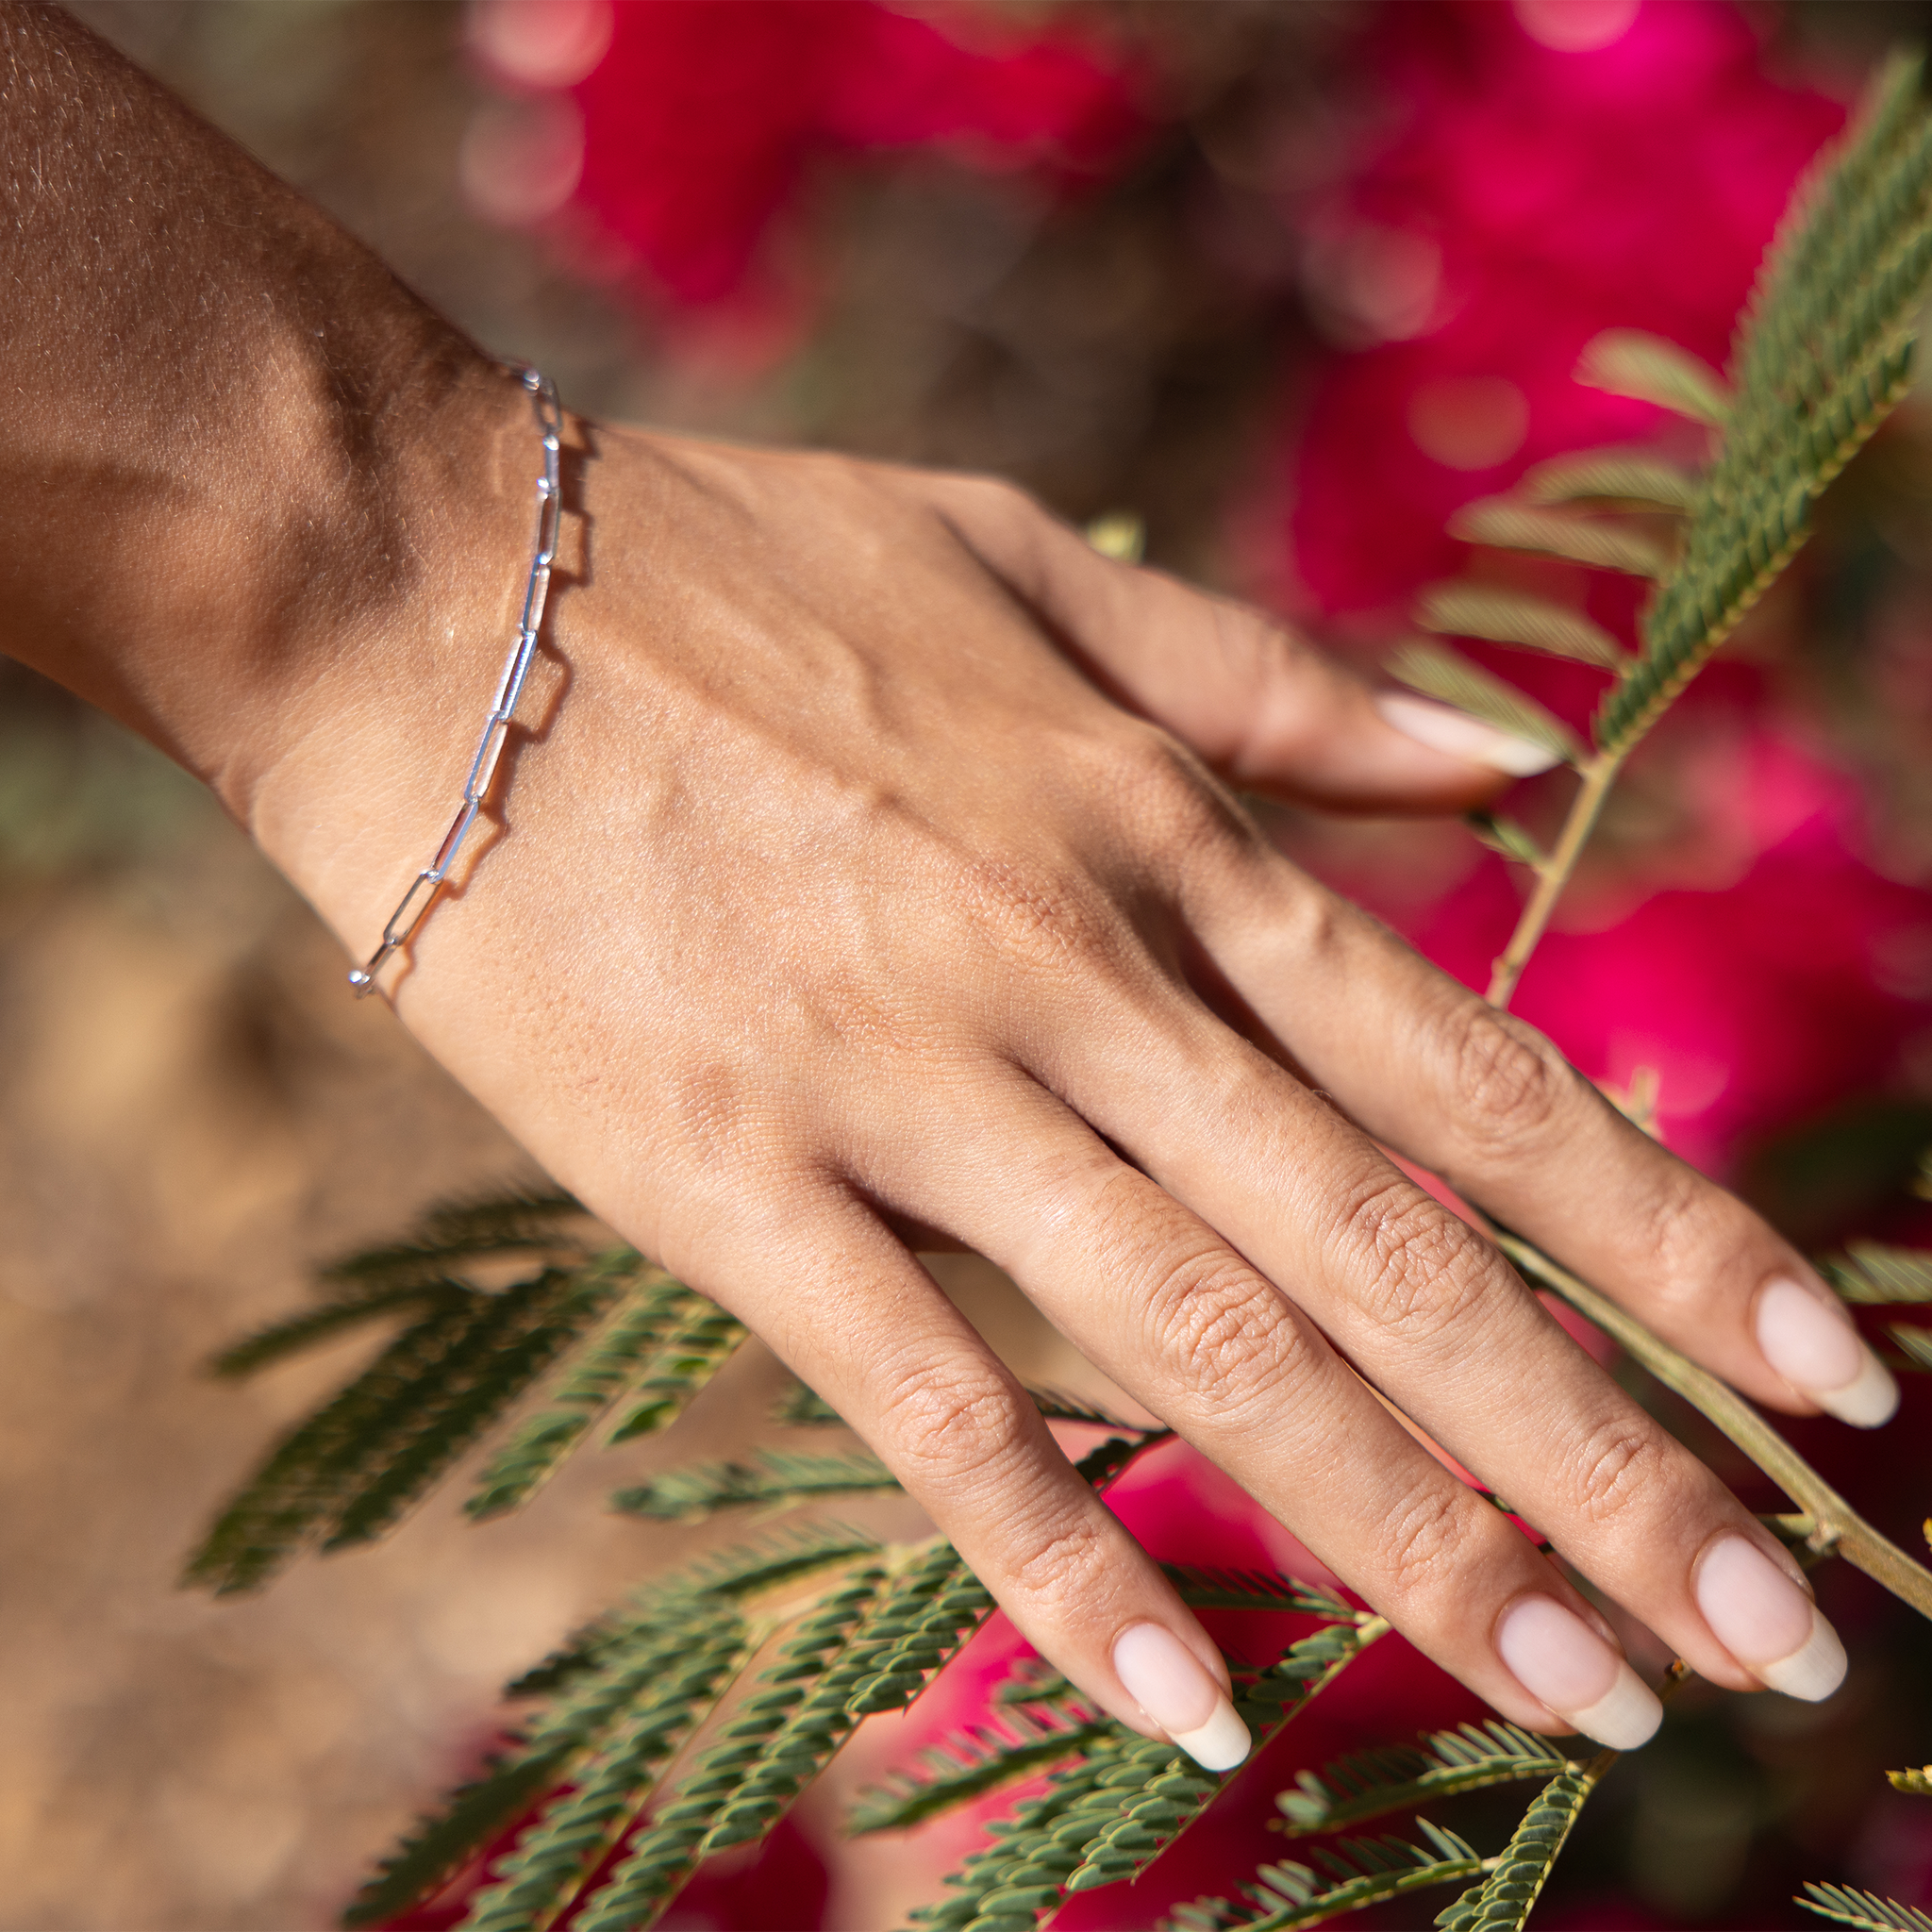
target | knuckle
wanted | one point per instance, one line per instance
(1423, 1546)
(1039, 912)
(1685, 1255)
(1165, 792)
(1418, 1270)
(1615, 1465)
(1223, 1334)
(1511, 1082)
(1055, 1565)
(951, 1422)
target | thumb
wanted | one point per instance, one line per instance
(1261, 704)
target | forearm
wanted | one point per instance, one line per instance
(232, 439)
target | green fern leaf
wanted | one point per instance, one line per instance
(1454, 681)
(1630, 362)
(460, 1231)
(1918, 1781)
(1370, 1784)
(1635, 478)
(1255, 1589)
(1823, 355)
(1516, 617)
(801, 1408)
(1505, 836)
(1865, 1911)
(690, 1355)
(521, 1333)
(776, 1480)
(1267, 1704)
(1871, 1273)
(440, 1847)
(280, 1338)
(976, 1762)
(1359, 1872)
(610, 1364)
(1502, 1901)
(1915, 1343)
(1504, 524)
(349, 1471)
(610, 1788)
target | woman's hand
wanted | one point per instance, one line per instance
(867, 876)
(868, 880)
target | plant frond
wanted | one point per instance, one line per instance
(439, 1847)
(1517, 617)
(1637, 478)
(1456, 680)
(1504, 524)
(1359, 1872)
(344, 1474)
(458, 1231)
(1370, 1784)
(1646, 367)
(1823, 355)
(1502, 1901)
(973, 1763)
(670, 1682)
(1918, 1781)
(866, 1646)
(279, 1339)
(1865, 1911)
(776, 1480)
(801, 1408)
(615, 1357)
(1915, 1343)
(1508, 838)
(694, 1350)
(1255, 1589)
(526, 1328)
(1125, 1845)
(1870, 1273)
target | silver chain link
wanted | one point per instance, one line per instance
(417, 901)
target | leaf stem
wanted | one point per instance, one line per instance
(1838, 1529)
(1598, 772)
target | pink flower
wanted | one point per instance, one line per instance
(700, 122)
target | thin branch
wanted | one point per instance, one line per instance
(1838, 1529)
(1598, 773)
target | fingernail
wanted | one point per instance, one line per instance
(1767, 1623)
(1556, 1656)
(1445, 729)
(1170, 1683)
(1811, 1343)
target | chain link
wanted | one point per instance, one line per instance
(416, 901)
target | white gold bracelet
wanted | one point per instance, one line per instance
(417, 901)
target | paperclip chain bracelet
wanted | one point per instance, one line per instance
(416, 901)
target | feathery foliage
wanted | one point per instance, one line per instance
(1865, 1911)
(1370, 1784)
(1360, 1872)
(1647, 369)
(1871, 1273)
(1517, 617)
(1502, 1901)
(1454, 680)
(648, 1323)
(345, 1474)
(1917, 1781)
(696, 1349)
(1506, 524)
(775, 1479)
(1635, 478)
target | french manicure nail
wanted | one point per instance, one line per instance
(1812, 1344)
(1443, 728)
(1170, 1683)
(1767, 1623)
(1556, 1656)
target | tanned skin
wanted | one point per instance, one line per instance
(872, 875)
